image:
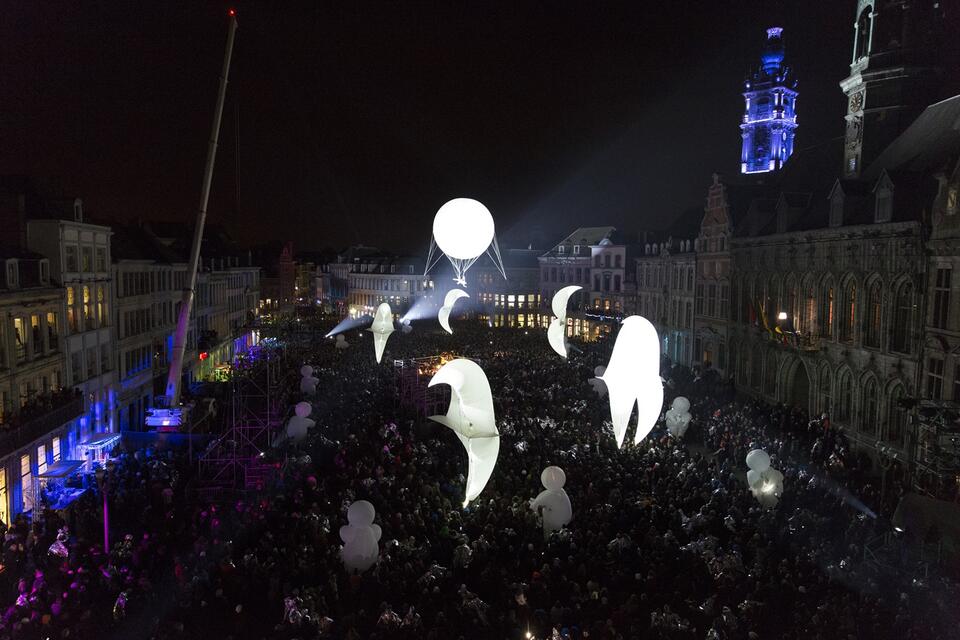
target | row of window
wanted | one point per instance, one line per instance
(33, 337)
(84, 365)
(390, 284)
(45, 457)
(27, 390)
(84, 314)
(85, 259)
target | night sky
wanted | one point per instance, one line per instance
(358, 120)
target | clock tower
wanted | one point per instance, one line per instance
(892, 74)
(769, 119)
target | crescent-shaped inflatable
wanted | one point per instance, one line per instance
(471, 417)
(443, 315)
(633, 378)
(557, 331)
(381, 329)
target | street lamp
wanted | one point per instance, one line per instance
(103, 482)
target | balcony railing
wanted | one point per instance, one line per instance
(36, 419)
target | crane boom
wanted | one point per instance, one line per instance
(183, 320)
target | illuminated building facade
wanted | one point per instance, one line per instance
(769, 119)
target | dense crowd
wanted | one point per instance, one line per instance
(666, 540)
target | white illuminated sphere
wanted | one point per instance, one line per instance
(463, 228)
(758, 460)
(553, 478)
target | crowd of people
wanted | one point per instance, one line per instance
(666, 540)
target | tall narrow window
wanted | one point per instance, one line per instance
(845, 397)
(52, 331)
(26, 482)
(826, 390)
(941, 298)
(826, 311)
(41, 460)
(849, 317)
(896, 416)
(36, 335)
(56, 449)
(101, 306)
(88, 319)
(4, 499)
(874, 310)
(868, 410)
(903, 319)
(20, 336)
(935, 378)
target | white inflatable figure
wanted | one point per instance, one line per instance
(678, 417)
(341, 343)
(463, 229)
(308, 382)
(381, 329)
(599, 386)
(300, 423)
(557, 331)
(406, 327)
(758, 460)
(361, 538)
(471, 417)
(443, 315)
(557, 511)
(633, 378)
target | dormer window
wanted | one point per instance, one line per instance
(952, 197)
(561, 249)
(78, 210)
(884, 210)
(576, 249)
(44, 271)
(13, 274)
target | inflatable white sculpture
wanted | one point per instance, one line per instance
(633, 378)
(341, 343)
(381, 329)
(361, 538)
(448, 301)
(471, 417)
(553, 500)
(406, 327)
(765, 482)
(463, 229)
(557, 331)
(300, 423)
(678, 417)
(308, 383)
(599, 386)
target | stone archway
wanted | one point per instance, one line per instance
(795, 391)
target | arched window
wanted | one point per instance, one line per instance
(756, 375)
(864, 24)
(871, 338)
(869, 408)
(770, 378)
(826, 309)
(773, 300)
(896, 416)
(735, 301)
(848, 317)
(903, 319)
(808, 313)
(826, 390)
(845, 397)
(617, 261)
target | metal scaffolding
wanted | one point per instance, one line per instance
(235, 461)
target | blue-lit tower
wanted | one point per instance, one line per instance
(769, 120)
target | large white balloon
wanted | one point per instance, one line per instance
(381, 328)
(443, 315)
(360, 538)
(633, 378)
(557, 510)
(557, 331)
(471, 417)
(758, 460)
(463, 228)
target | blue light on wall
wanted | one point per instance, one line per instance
(769, 119)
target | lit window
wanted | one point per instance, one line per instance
(41, 459)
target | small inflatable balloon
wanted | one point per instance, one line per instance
(341, 343)
(361, 548)
(758, 460)
(769, 489)
(299, 424)
(553, 501)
